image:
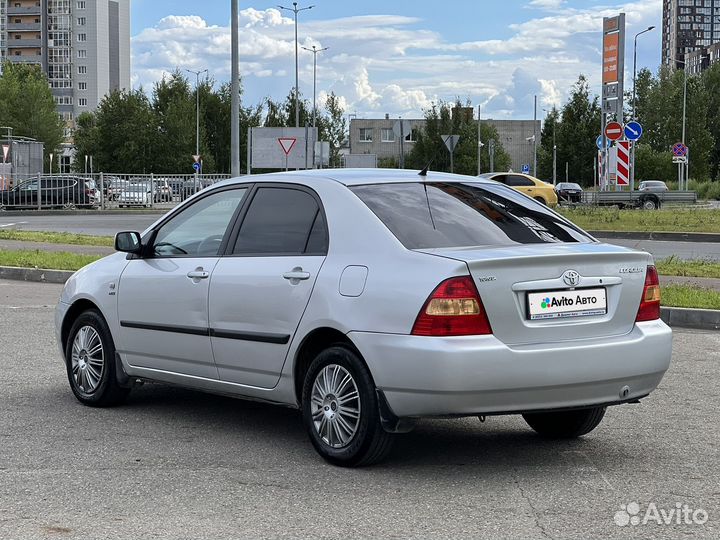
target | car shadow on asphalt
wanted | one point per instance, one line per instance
(501, 442)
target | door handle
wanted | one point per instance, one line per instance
(296, 274)
(198, 273)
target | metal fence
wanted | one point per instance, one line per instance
(102, 191)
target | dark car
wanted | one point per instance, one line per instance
(54, 192)
(569, 192)
(191, 186)
(653, 185)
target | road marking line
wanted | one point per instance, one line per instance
(12, 224)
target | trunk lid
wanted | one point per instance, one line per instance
(506, 276)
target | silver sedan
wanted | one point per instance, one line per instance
(369, 299)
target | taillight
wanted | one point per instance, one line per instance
(650, 303)
(453, 309)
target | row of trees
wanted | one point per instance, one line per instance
(131, 132)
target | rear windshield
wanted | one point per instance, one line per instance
(437, 215)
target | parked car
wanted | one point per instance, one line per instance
(163, 190)
(369, 299)
(569, 192)
(653, 185)
(191, 186)
(136, 193)
(115, 187)
(529, 185)
(54, 192)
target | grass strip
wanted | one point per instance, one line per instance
(689, 296)
(673, 266)
(49, 260)
(56, 238)
(669, 220)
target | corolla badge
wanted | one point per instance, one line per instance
(571, 278)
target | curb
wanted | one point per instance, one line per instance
(702, 319)
(35, 274)
(666, 236)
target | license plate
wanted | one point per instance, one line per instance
(566, 304)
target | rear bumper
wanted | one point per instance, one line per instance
(425, 376)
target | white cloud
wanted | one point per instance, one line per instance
(394, 64)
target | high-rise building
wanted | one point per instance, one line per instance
(82, 45)
(690, 29)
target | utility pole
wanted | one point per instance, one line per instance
(235, 89)
(197, 114)
(296, 10)
(480, 144)
(535, 136)
(554, 147)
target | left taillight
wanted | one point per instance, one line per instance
(453, 309)
(649, 309)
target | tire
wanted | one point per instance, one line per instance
(92, 377)
(565, 424)
(651, 203)
(361, 440)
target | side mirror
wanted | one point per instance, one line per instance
(128, 242)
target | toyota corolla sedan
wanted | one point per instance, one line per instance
(369, 299)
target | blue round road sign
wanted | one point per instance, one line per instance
(598, 142)
(633, 131)
(679, 149)
(196, 166)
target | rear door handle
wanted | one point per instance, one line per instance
(198, 273)
(296, 274)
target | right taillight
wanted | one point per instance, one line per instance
(649, 309)
(453, 309)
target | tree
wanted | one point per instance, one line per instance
(126, 133)
(429, 147)
(577, 132)
(27, 105)
(87, 140)
(711, 81)
(334, 127)
(548, 137)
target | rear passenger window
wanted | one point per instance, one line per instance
(519, 181)
(282, 221)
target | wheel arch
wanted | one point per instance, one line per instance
(79, 306)
(315, 341)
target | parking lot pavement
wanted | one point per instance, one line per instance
(661, 249)
(174, 463)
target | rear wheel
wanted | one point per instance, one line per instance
(340, 410)
(565, 424)
(650, 204)
(90, 360)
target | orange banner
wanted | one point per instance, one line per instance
(611, 44)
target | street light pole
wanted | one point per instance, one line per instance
(315, 52)
(235, 88)
(634, 104)
(197, 113)
(296, 10)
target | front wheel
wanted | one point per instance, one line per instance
(650, 204)
(565, 424)
(340, 410)
(90, 360)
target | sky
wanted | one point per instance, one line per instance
(396, 57)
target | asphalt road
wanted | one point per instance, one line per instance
(174, 463)
(108, 225)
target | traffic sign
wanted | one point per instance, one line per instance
(196, 157)
(679, 149)
(196, 166)
(450, 141)
(526, 168)
(614, 131)
(287, 143)
(679, 159)
(633, 131)
(599, 140)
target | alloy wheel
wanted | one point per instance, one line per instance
(335, 406)
(87, 359)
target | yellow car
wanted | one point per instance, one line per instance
(529, 185)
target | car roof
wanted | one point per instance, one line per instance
(357, 177)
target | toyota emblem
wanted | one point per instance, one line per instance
(571, 278)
